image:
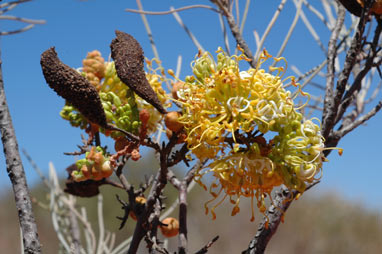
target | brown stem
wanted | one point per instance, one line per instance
(274, 215)
(235, 30)
(349, 95)
(17, 176)
(332, 54)
(183, 218)
(332, 101)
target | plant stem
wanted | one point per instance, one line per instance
(31, 242)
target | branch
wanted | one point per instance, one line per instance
(208, 245)
(189, 33)
(332, 101)
(347, 99)
(269, 27)
(273, 216)
(332, 55)
(74, 230)
(26, 28)
(160, 181)
(30, 21)
(16, 174)
(235, 30)
(348, 128)
(183, 217)
(173, 10)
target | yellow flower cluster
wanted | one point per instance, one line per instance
(227, 113)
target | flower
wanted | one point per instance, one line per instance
(227, 113)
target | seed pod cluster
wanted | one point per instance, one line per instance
(73, 87)
(94, 166)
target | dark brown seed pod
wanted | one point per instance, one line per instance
(352, 6)
(88, 188)
(128, 57)
(73, 87)
(76, 90)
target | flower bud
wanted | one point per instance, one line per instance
(172, 122)
(171, 228)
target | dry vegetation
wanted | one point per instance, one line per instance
(315, 224)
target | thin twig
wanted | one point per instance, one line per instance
(269, 27)
(273, 217)
(348, 128)
(332, 101)
(311, 29)
(101, 225)
(26, 28)
(74, 230)
(30, 21)
(317, 13)
(189, 33)
(208, 245)
(173, 10)
(291, 29)
(236, 33)
(13, 2)
(244, 19)
(225, 36)
(356, 86)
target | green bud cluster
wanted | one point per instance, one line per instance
(75, 118)
(297, 152)
(122, 115)
(112, 83)
(118, 101)
(203, 67)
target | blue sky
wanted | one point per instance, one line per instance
(77, 27)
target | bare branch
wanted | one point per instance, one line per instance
(26, 28)
(269, 27)
(225, 36)
(332, 54)
(183, 218)
(173, 10)
(311, 29)
(74, 230)
(273, 217)
(15, 169)
(348, 128)
(189, 33)
(291, 28)
(30, 21)
(356, 86)
(317, 13)
(236, 32)
(332, 101)
(208, 245)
